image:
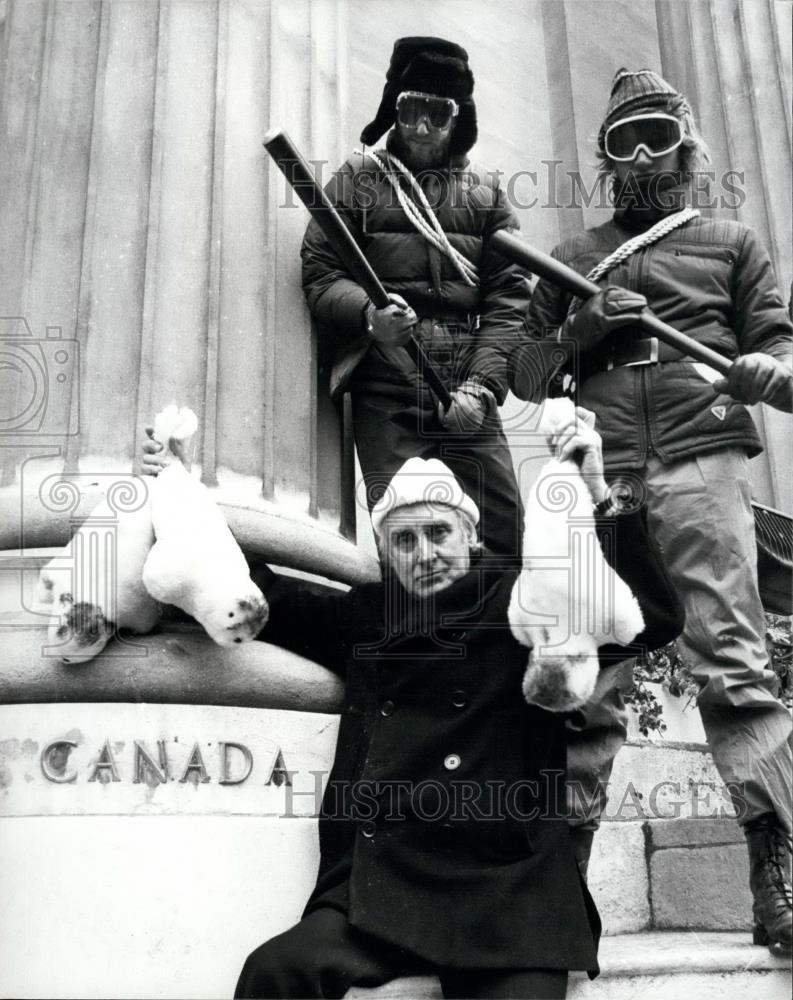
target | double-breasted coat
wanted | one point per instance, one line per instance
(442, 828)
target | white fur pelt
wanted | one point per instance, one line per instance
(94, 585)
(173, 548)
(567, 601)
(195, 562)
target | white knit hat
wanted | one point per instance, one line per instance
(423, 480)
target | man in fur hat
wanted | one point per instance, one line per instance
(423, 216)
(680, 438)
(443, 845)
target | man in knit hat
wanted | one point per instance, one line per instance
(423, 216)
(443, 844)
(679, 437)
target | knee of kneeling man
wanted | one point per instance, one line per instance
(273, 954)
(262, 971)
(276, 969)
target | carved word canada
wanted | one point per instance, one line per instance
(227, 762)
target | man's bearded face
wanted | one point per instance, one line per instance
(423, 147)
(643, 168)
(426, 546)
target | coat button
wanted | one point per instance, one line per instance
(459, 636)
(387, 708)
(459, 699)
(368, 829)
(452, 762)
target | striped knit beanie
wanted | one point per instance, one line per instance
(639, 91)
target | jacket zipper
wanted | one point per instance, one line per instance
(648, 436)
(650, 448)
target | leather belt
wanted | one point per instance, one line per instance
(465, 322)
(628, 351)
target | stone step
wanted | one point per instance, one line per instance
(699, 874)
(671, 874)
(654, 965)
(619, 878)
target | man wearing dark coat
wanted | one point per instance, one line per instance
(423, 216)
(444, 847)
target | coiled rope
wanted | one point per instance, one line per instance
(397, 173)
(635, 243)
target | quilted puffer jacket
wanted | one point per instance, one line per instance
(470, 206)
(710, 279)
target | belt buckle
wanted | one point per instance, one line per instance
(651, 360)
(653, 342)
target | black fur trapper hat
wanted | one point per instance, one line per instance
(432, 66)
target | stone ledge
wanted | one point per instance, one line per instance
(657, 782)
(653, 964)
(180, 666)
(673, 952)
(693, 832)
(270, 532)
(767, 985)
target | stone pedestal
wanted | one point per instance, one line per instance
(145, 850)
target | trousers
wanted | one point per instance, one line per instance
(699, 510)
(322, 956)
(395, 418)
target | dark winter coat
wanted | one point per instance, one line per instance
(470, 206)
(440, 708)
(709, 279)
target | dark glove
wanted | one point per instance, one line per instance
(392, 326)
(471, 404)
(606, 311)
(759, 378)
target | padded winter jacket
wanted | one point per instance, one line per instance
(470, 206)
(710, 279)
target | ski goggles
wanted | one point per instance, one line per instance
(413, 107)
(657, 134)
